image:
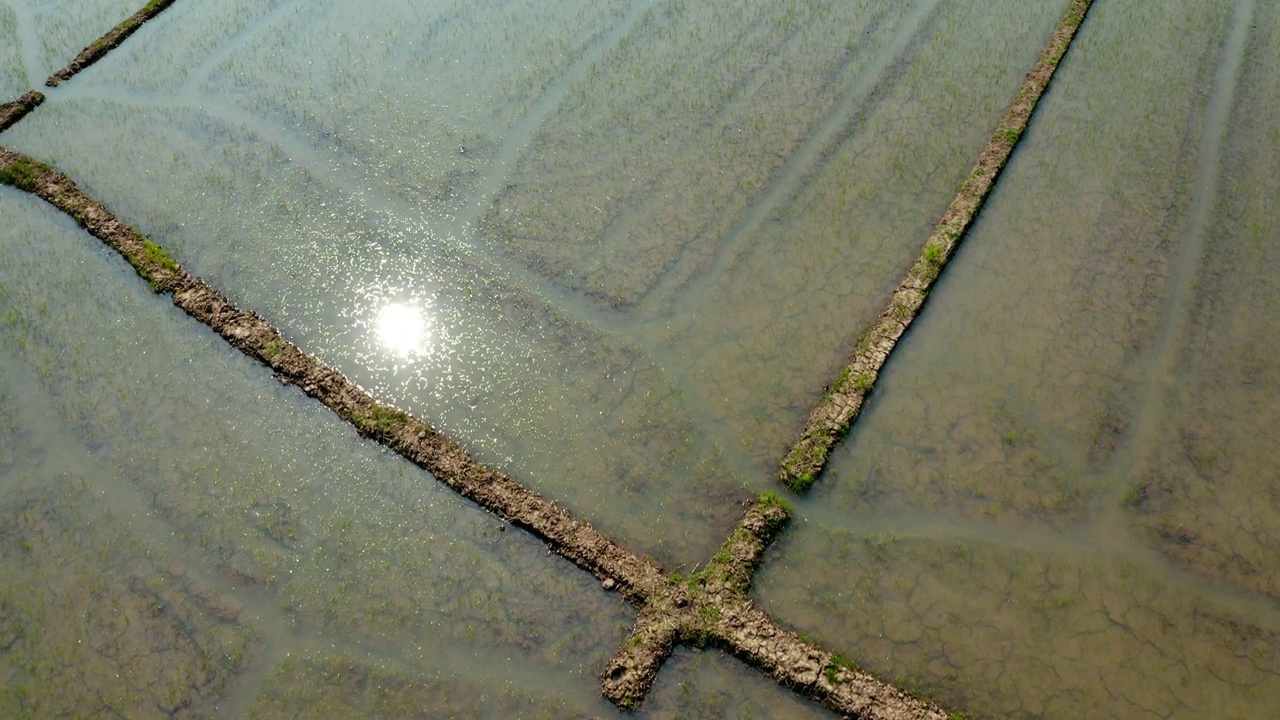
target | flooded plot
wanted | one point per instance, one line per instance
(91, 624)
(1100, 349)
(1207, 484)
(1015, 389)
(13, 78)
(1030, 627)
(371, 285)
(309, 536)
(39, 38)
(616, 249)
(778, 306)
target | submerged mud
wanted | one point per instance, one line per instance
(142, 636)
(1206, 492)
(838, 409)
(709, 609)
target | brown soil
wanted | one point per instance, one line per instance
(105, 44)
(712, 608)
(12, 112)
(840, 407)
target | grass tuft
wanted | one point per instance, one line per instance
(772, 499)
(933, 254)
(22, 175)
(801, 482)
(864, 382)
(379, 420)
(157, 256)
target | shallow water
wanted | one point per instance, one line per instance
(1206, 484)
(1061, 499)
(13, 79)
(617, 249)
(314, 537)
(203, 553)
(40, 38)
(318, 215)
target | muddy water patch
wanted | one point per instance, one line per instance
(352, 545)
(493, 364)
(1006, 632)
(1207, 489)
(1011, 395)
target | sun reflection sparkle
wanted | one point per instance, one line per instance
(402, 328)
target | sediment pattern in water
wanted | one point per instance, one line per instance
(1030, 473)
(712, 610)
(684, 337)
(840, 406)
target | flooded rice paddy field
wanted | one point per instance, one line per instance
(617, 249)
(38, 38)
(182, 533)
(1063, 499)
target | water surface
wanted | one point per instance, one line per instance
(617, 249)
(1061, 499)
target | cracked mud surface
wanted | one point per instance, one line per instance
(1211, 495)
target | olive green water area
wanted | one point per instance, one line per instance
(1062, 501)
(617, 248)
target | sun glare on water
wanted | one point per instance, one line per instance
(402, 329)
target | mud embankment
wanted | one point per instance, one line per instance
(840, 406)
(711, 608)
(12, 112)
